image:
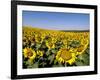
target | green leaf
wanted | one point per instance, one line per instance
(51, 58)
(55, 62)
(27, 62)
(60, 65)
(35, 65)
(38, 45)
(29, 66)
(53, 50)
(87, 51)
(74, 43)
(79, 63)
(48, 53)
(83, 59)
(83, 56)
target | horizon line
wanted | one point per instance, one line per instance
(61, 29)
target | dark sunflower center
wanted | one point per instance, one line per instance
(80, 48)
(51, 44)
(66, 55)
(29, 54)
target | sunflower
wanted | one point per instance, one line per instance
(40, 53)
(38, 38)
(63, 55)
(50, 44)
(30, 54)
(81, 49)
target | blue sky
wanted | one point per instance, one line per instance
(56, 20)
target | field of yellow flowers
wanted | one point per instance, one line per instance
(53, 48)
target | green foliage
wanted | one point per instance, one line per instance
(83, 59)
(74, 43)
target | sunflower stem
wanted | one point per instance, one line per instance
(65, 64)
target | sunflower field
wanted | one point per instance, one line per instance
(54, 48)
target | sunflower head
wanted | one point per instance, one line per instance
(50, 44)
(40, 53)
(38, 38)
(79, 49)
(64, 55)
(30, 54)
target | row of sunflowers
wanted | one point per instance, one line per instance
(53, 48)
